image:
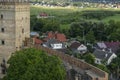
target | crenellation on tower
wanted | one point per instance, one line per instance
(14, 1)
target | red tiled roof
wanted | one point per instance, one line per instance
(60, 37)
(50, 35)
(43, 14)
(38, 41)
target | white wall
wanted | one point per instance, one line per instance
(56, 46)
(111, 58)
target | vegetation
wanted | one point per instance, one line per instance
(98, 14)
(85, 25)
(57, 11)
(32, 64)
(89, 58)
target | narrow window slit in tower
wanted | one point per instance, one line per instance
(1, 16)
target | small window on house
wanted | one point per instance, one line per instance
(2, 30)
(22, 30)
(97, 79)
(1, 16)
(3, 42)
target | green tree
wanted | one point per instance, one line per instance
(32, 64)
(51, 25)
(90, 37)
(114, 36)
(89, 58)
(38, 25)
(114, 66)
(103, 67)
(33, 20)
(76, 29)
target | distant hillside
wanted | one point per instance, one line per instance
(50, 0)
(76, 0)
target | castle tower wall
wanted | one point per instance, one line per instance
(14, 26)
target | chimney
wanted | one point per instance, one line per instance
(103, 49)
(106, 55)
(110, 50)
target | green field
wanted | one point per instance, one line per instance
(65, 26)
(60, 11)
(35, 10)
(64, 14)
(115, 18)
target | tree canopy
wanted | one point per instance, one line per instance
(32, 64)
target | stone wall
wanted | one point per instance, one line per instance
(16, 24)
(76, 62)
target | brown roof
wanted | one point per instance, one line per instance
(38, 41)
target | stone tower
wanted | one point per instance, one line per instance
(14, 26)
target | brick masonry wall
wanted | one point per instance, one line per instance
(77, 62)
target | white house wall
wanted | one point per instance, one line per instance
(111, 58)
(97, 61)
(82, 48)
(56, 46)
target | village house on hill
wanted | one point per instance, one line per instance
(35, 37)
(103, 56)
(108, 46)
(77, 47)
(44, 15)
(55, 35)
(54, 44)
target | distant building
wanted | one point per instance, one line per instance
(103, 56)
(101, 45)
(44, 15)
(55, 35)
(37, 41)
(34, 34)
(54, 44)
(113, 46)
(77, 47)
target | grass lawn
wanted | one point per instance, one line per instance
(61, 11)
(35, 10)
(65, 26)
(115, 18)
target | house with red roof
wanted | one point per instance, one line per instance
(50, 35)
(60, 37)
(37, 41)
(55, 35)
(42, 15)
